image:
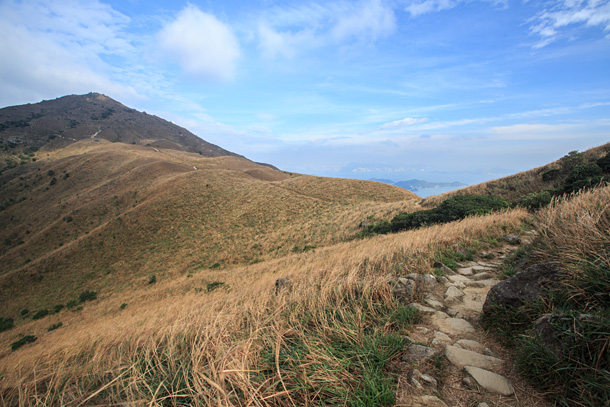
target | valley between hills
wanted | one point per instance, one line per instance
(144, 266)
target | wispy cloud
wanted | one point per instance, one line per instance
(53, 48)
(408, 121)
(205, 47)
(549, 23)
(285, 31)
(417, 8)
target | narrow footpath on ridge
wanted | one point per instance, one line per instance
(453, 361)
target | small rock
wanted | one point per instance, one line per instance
(416, 353)
(432, 401)
(482, 405)
(422, 308)
(462, 357)
(452, 312)
(428, 281)
(283, 284)
(442, 338)
(470, 382)
(491, 381)
(512, 239)
(545, 332)
(416, 378)
(474, 284)
(422, 330)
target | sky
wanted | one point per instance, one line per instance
(438, 90)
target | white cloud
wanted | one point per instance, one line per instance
(549, 23)
(408, 121)
(537, 131)
(49, 49)
(417, 8)
(204, 46)
(286, 31)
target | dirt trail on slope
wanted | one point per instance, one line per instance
(453, 362)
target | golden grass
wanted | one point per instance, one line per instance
(137, 211)
(175, 329)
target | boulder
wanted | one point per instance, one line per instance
(403, 289)
(523, 286)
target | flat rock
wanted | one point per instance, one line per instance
(462, 357)
(441, 338)
(453, 326)
(458, 277)
(484, 275)
(466, 271)
(491, 381)
(470, 345)
(481, 268)
(453, 293)
(416, 353)
(482, 405)
(433, 302)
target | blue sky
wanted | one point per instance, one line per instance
(440, 90)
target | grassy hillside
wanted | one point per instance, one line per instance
(223, 337)
(514, 187)
(107, 216)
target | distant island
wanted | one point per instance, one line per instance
(415, 185)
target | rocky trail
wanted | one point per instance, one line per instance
(452, 361)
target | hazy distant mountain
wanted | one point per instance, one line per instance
(62, 121)
(415, 185)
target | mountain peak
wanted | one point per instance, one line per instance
(56, 123)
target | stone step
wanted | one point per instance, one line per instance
(462, 357)
(490, 381)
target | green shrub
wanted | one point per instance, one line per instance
(58, 308)
(152, 279)
(6, 324)
(535, 200)
(215, 266)
(583, 176)
(215, 285)
(24, 312)
(123, 305)
(71, 304)
(41, 314)
(550, 175)
(87, 296)
(23, 341)
(604, 163)
(54, 327)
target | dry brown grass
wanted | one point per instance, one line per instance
(174, 341)
(136, 211)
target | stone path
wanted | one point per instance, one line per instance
(452, 361)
